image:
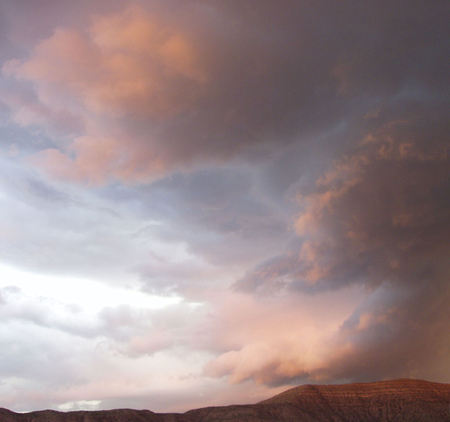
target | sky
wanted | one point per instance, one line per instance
(206, 202)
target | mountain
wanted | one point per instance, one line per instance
(401, 400)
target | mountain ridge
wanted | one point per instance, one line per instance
(394, 400)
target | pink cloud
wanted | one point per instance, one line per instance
(127, 65)
(274, 341)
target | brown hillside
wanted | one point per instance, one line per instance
(390, 401)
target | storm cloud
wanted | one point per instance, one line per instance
(220, 198)
(378, 218)
(144, 92)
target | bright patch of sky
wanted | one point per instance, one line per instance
(89, 295)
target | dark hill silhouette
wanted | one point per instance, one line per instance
(401, 400)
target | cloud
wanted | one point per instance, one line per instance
(216, 208)
(126, 355)
(154, 92)
(300, 150)
(378, 214)
(115, 349)
(275, 340)
(126, 64)
(173, 235)
(397, 332)
(61, 229)
(378, 219)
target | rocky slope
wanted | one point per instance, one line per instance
(398, 400)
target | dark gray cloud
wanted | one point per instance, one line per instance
(378, 218)
(257, 77)
(380, 213)
(398, 332)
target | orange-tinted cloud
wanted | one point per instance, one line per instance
(275, 341)
(128, 64)
(209, 83)
(94, 159)
(378, 219)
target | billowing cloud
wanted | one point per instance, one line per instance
(151, 92)
(275, 341)
(125, 64)
(377, 218)
(378, 214)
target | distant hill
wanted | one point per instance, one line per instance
(401, 400)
